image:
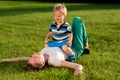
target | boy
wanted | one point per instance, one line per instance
(52, 56)
(61, 32)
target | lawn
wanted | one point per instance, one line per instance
(23, 26)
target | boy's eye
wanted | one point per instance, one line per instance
(58, 15)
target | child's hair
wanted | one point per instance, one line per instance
(60, 7)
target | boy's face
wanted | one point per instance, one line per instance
(59, 17)
(37, 60)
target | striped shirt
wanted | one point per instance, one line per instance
(60, 32)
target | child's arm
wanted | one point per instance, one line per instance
(70, 36)
(49, 34)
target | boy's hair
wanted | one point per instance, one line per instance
(31, 67)
(60, 7)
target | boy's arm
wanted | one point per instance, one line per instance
(15, 59)
(49, 34)
(70, 37)
(77, 67)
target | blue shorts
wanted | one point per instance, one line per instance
(57, 43)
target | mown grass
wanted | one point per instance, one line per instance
(23, 26)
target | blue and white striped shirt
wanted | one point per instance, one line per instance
(61, 32)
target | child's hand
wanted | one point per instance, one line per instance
(45, 45)
(69, 43)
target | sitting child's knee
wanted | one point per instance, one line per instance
(66, 49)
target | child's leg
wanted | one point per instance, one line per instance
(52, 44)
(56, 43)
(69, 51)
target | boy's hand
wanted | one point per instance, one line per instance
(69, 43)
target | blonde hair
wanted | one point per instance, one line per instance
(60, 7)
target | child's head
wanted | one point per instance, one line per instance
(60, 12)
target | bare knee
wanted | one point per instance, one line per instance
(66, 49)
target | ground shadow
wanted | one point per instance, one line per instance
(71, 7)
(23, 10)
(16, 66)
(92, 6)
(19, 67)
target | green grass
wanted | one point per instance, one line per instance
(23, 26)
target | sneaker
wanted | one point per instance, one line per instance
(86, 51)
(72, 58)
